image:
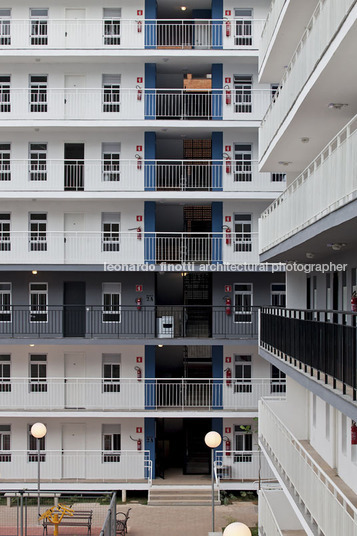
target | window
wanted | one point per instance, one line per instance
(243, 298)
(38, 373)
(278, 294)
(5, 223)
(38, 232)
(111, 22)
(243, 373)
(38, 302)
(111, 92)
(243, 27)
(32, 455)
(242, 163)
(278, 380)
(5, 373)
(242, 232)
(111, 293)
(111, 162)
(278, 177)
(111, 443)
(5, 167)
(5, 443)
(111, 373)
(110, 231)
(38, 93)
(38, 161)
(39, 26)
(243, 439)
(5, 302)
(5, 101)
(243, 94)
(274, 91)
(5, 26)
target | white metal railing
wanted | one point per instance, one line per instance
(327, 184)
(325, 21)
(101, 394)
(330, 509)
(76, 465)
(134, 175)
(242, 466)
(267, 519)
(108, 104)
(275, 10)
(131, 34)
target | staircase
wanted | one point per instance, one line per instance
(181, 496)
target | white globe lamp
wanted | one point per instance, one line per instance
(237, 529)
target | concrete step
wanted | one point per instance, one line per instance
(181, 497)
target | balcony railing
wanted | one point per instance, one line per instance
(130, 34)
(76, 465)
(276, 7)
(321, 29)
(327, 505)
(134, 247)
(127, 394)
(135, 175)
(322, 343)
(316, 192)
(242, 466)
(164, 322)
(267, 519)
(122, 104)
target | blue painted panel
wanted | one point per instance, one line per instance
(150, 23)
(149, 442)
(217, 372)
(217, 232)
(149, 161)
(217, 93)
(150, 85)
(217, 24)
(150, 224)
(217, 156)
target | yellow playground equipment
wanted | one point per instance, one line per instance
(55, 515)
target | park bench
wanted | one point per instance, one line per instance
(80, 518)
(122, 523)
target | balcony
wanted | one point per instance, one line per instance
(315, 193)
(319, 33)
(275, 10)
(321, 343)
(85, 466)
(129, 34)
(134, 247)
(130, 104)
(325, 505)
(125, 175)
(276, 515)
(132, 394)
(242, 466)
(128, 322)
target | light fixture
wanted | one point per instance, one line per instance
(336, 105)
(34, 272)
(183, 274)
(237, 529)
(183, 8)
(32, 345)
(305, 140)
(310, 255)
(38, 431)
(284, 163)
(336, 246)
(160, 345)
(213, 440)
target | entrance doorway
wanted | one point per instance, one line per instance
(74, 166)
(74, 299)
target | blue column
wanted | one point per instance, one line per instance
(217, 160)
(150, 224)
(217, 21)
(217, 91)
(150, 354)
(217, 372)
(149, 430)
(217, 223)
(150, 85)
(149, 161)
(150, 23)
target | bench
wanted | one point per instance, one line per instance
(122, 524)
(80, 518)
(9, 496)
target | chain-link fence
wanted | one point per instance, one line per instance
(90, 513)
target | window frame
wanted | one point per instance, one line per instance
(243, 27)
(38, 93)
(38, 162)
(5, 375)
(242, 382)
(243, 237)
(246, 436)
(5, 231)
(5, 27)
(244, 313)
(38, 27)
(111, 27)
(111, 383)
(38, 311)
(243, 93)
(6, 309)
(111, 228)
(5, 93)
(37, 231)
(243, 166)
(111, 93)
(281, 294)
(111, 312)
(111, 434)
(38, 382)
(5, 449)
(110, 165)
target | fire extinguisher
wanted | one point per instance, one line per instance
(354, 303)
(228, 236)
(228, 445)
(139, 162)
(138, 236)
(139, 94)
(228, 372)
(228, 313)
(354, 433)
(228, 163)
(228, 94)
(138, 373)
(138, 302)
(140, 26)
(139, 443)
(228, 28)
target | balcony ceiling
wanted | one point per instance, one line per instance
(170, 9)
(314, 119)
